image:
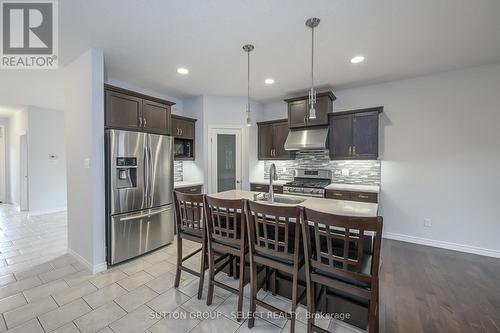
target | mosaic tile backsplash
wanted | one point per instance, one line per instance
(178, 171)
(360, 172)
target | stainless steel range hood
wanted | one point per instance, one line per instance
(307, 139)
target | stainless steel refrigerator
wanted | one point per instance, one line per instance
(139, 193)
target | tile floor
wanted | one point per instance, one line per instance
(43, 289)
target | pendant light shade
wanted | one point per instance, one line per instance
(312, 23)
(248, 48)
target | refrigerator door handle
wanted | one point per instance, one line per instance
(140, 216)
(150, 174)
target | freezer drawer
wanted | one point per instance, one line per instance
(136, 233)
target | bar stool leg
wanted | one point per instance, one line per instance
(253, 294)
(311, 296)
(294, 300)
(211, 276)
(242, 286)
(202, 269)
(179, 261)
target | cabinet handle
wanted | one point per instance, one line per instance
(140, 121)
(354, 150)
(192, 189)
(362, 196)
(181, 130)
(338, 194)
(350, 151)
(145, 122)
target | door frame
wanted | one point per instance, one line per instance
(23, 173)
(3, 164)
(241, 159)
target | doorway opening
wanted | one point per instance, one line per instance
(225, 159)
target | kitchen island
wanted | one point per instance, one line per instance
(331, 206)
(336, 305)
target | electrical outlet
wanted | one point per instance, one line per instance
(345, 172)
(427, 222)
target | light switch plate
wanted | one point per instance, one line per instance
(86, 163)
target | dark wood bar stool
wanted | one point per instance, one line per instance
(336, 258)
(226, 234)
(274, 234)
(189, 216)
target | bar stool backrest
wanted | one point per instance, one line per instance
(334, 244)
(225, 220)
(189, 213)
(274, 230)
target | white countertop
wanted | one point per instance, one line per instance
(186, 184)
(354, 187)
(266, 182)
(332, 206)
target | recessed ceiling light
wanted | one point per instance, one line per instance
(357, 59)
(269, 81)
(182, 70)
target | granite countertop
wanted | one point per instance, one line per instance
(354, 187)
(332, 206)
(187, 184)
(266, 182)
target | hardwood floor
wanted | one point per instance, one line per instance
(426, 289)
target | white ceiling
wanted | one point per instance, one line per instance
(145, 41)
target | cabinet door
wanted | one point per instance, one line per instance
(297, 113)
(123, 111)
(323, 107)
(365, 135)
(265, 141)
(186, 129)
(156, 117)
(340, 137)
(280, 134)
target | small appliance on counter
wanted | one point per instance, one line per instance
(139, 193)
(309, 183)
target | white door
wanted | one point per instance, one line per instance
(23, 152)
(225, 159)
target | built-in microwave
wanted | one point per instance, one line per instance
(183, 149)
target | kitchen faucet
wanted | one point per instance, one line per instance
(272, 176)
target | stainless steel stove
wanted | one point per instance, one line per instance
(309, 183)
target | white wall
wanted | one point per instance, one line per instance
(43, 88)
(84, 132)
(439, 147)
(47, 177)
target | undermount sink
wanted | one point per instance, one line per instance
(284, 199)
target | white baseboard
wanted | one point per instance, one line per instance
(47, 211)
(93, 268)
(442, 244)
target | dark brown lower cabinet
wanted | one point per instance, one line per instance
(197, 189)
(352, 196)
(265, 188)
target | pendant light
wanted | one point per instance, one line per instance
(248, 48)
(312, 23)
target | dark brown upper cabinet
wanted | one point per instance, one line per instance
(298, 110)
(354, 134)
(183, 130)
(183, 127)
(128, 110)
(271, 140)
